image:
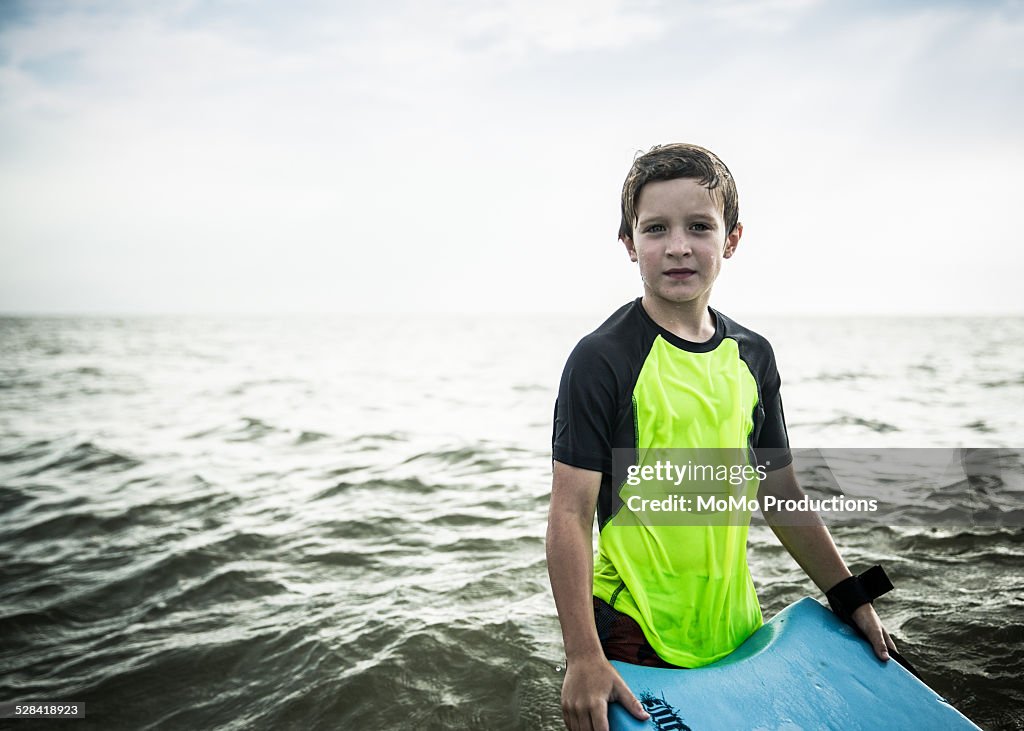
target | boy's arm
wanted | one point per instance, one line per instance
(811, 545)
(590, 680)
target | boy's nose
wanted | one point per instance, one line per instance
(678, 244)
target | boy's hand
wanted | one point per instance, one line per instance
(868, 622)
(590, 685)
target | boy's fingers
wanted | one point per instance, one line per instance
(871, 626)
(599, 718)
(583, 719)
(625, 696)
(881, 648)
(873, 634)
(569, 720)
(582, 722)
(889, 641)
(575, 720)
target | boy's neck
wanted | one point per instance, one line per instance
(690, 321)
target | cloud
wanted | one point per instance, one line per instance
(480, 145)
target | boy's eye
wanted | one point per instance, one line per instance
(654, 228)
(700, 227)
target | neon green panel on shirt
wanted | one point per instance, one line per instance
(688, 586)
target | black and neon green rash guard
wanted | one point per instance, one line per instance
(632, 384)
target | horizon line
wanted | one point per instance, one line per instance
(27, 314)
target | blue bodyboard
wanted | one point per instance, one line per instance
(804, 669)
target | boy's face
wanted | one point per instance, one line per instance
(679, 241)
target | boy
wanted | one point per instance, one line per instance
(667, 371)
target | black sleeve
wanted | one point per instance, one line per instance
(585, 409)
(773, 440)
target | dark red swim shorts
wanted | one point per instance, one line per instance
(622, 639)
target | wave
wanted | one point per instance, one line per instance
(244, 429)
(308, 437)
(136, 589)
(842, 377)
(28, 451)
(85, 457)
(11, 498)
(76, 517)
(874, 425)
(1017, 380)
(343, 487)
(246, 386)
(252, 429)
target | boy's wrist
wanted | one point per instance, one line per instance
(586, 654)
(854, 592)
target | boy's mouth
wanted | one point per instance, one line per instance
(682, 273)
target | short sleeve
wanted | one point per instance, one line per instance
(773, 440)
(585, 410)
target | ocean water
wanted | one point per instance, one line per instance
(338, 522)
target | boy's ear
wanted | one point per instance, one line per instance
(732, 241)
(627, 241)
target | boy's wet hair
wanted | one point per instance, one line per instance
(679, 160)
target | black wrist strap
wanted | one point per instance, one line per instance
(855, 591)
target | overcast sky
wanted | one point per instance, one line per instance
(467, 155)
